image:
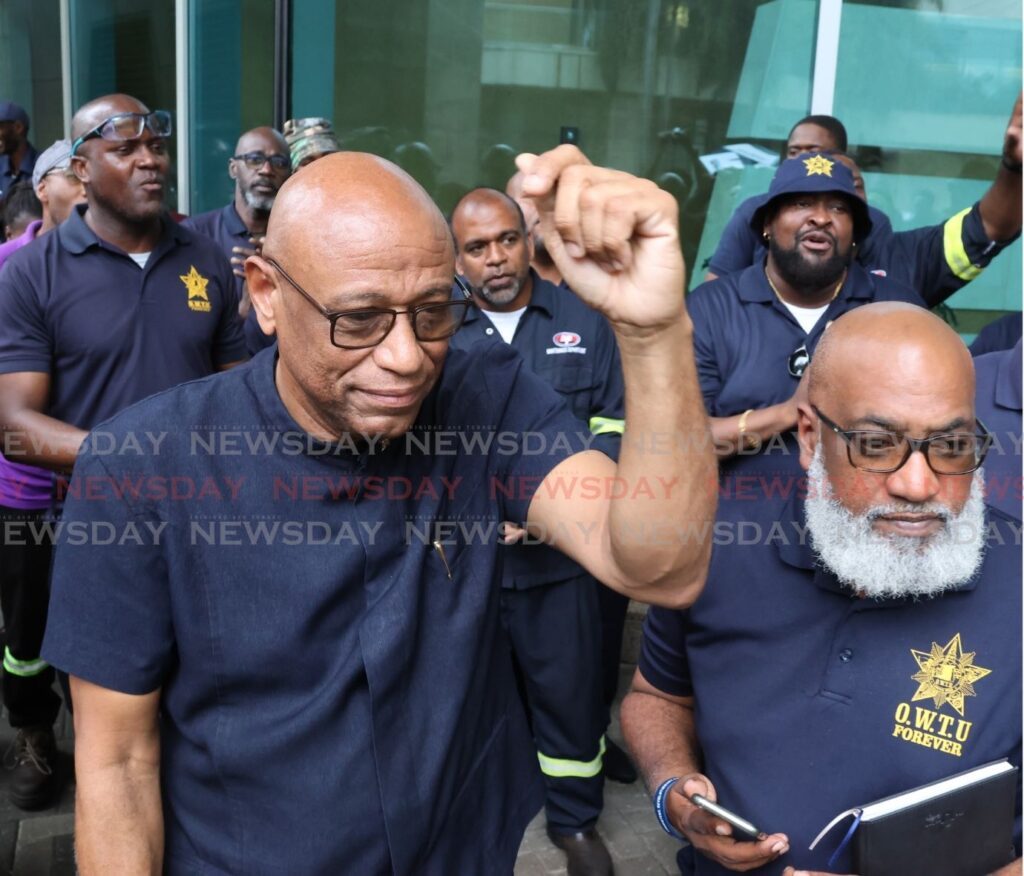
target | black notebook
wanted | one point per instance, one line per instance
(958, 826)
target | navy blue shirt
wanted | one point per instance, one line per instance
(109, 332)
(226, 227)
(998, 405)
(336, 693)
(743, 335)
(806, 702)
(9, 176)
(572, 348)
(935, 260)
(1000, 334)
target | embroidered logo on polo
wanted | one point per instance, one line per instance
(818, 166)
(566, 342)
(945, 676)
(196, 285)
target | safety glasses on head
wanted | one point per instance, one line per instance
(128, 126)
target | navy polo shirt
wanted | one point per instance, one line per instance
(743, 335)
(109, 332)
(998, 405)
(336, 693)
(935, 261)
(572, 348)
(226, 227)
(810, 701)
(1000, 334)
(9, 176)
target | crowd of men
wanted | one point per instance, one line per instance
(297, 629)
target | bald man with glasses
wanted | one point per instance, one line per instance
(308, 674)
(259, 168)
(859, 636)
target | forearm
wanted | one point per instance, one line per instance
(666, 448)
(118, 818)
(761, 425)
(1000, 207)
(661, 737)
(1011, 869)
(33, 438)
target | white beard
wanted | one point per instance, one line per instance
(893, 566)
(262, 203)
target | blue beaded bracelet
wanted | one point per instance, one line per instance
(660, 810)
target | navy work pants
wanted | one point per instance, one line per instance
(555, 634)
(25, 553)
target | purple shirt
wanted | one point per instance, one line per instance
(23, 486)
(12, 246)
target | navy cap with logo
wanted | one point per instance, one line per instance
(814, 172)
(12, 112)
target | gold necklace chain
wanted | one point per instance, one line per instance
(835, 293)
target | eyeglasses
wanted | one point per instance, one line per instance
(66, 172)
(886, 452)
(128, 126)
(256, 160)
(359, 329)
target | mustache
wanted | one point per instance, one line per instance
(828, 234)
(934, 509)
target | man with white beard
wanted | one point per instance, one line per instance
(854, 640)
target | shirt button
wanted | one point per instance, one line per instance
(489, 331)
(845, 656)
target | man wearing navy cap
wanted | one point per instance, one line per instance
(755, 331)
(334, 695)
(856, 639)
(17, 155)
(259, 167)
(936, 260)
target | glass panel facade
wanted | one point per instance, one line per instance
(453, 89)
(125, 46)
(934, 141)
(30, 72)
(231, 89)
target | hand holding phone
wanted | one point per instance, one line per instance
(693, 809)
(741, 824)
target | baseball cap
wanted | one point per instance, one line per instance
(55, 157)
(311, 136)
(12, 112)
(812, 173)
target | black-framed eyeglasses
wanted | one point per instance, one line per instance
(128, 126)
(884, 452)
(256, 160)
(367, 327)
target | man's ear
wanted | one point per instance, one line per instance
(80, 167)
(44, 199)
(806, 432)
(232, 169)
(458, 264)
(259, 278)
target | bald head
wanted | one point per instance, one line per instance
(485, 199)
(259, 139)
(94, 112)
(349, 203)
(888, 341)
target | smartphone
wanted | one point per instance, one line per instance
(741, 824)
